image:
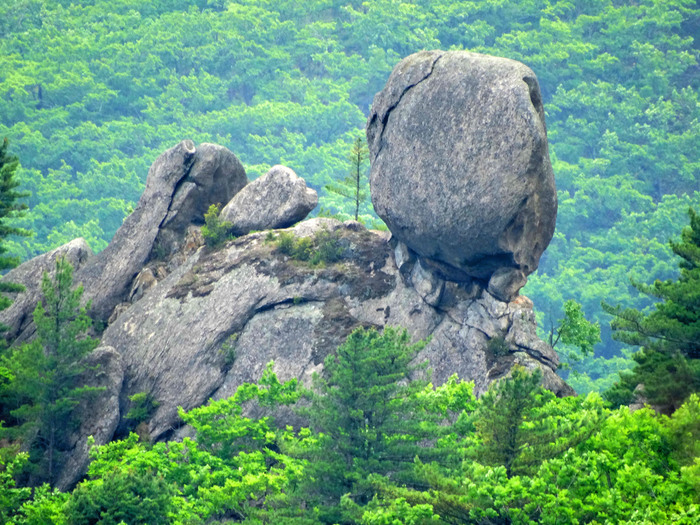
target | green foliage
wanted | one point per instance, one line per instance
(48, 374)
(669, 363)
(373, 417)
(46, 506)
(10, 209)
(233, 467)
(323, 248)
(142, 407)
(228, 349)
(215, 231)
(518, 425)
(577, 463)
(11, 497)
(574, 332)
(327, 248)
(387, 449)
(286, 242)
(123, 497)
(497, 346)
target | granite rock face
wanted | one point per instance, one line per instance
(460, 165)
(181, 184)
(220, 317)
(18, 316)
(98, 415)
(216, 175)
(278, 199)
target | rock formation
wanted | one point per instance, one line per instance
(218, 319)
(18, 316)
(278, 199)
(188, 322)
(182, 183)
(460, 166)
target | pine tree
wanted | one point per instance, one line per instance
(10, 209)
(364, 410)
(519, 424)
(668, 364)
(354, 185)
(46, 373)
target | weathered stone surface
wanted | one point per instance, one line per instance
(215, 177)
(108, 277)
(221, 316)
(181, 184)
(428, 285)
(278, 199)
(18, 316)
(99, 415)
(505, 283)
(460, 165)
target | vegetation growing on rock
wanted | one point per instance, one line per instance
(87, 112)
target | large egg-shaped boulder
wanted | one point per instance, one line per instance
(460, 165)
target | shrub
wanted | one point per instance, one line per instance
(215, 231)
(228, 349)
(303, 249)
(498, 346)
(286, 242)
(328, 248)
(142, 407)
(323, 248)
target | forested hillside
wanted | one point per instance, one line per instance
(381, 449)
(91, 92)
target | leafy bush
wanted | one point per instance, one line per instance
(323, 248)
(303, 249)
(228, 349)
(498, 346)
(286, 243)
(215, 231)
(328, 248)
(122, 497)
(142, 407)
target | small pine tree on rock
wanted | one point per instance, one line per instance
(10, 208)
(355, 186)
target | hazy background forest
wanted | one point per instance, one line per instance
(92, 91)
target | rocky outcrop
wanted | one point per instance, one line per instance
(461, 176)
(460, 166)
(182, 183)
(18, 316)
(98, 415)
(278, 199)
(215, 177)
(218, 319)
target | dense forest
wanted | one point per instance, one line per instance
(91, 92)
(384, 449)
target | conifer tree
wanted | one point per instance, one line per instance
(519, 424)
(354, 185)
(46, 373)
(668, 364)
(363, 411)
(10, 208)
